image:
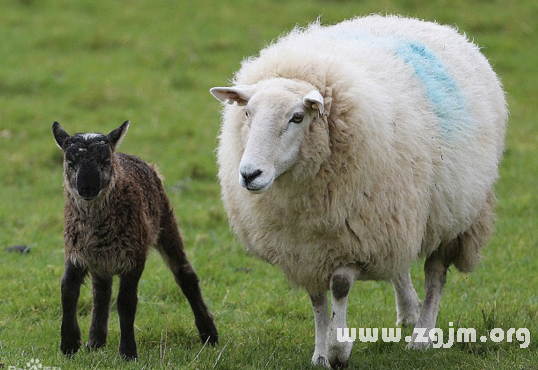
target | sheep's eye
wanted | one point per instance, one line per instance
(247, 114)
(297, 118)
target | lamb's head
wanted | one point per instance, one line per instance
(277, 114)
(88, 160)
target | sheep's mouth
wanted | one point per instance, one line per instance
(89, 197)
(256, 188)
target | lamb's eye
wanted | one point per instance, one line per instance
(71, 161)
(297, 118)
(247, 114)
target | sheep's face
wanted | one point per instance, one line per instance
(88, 167)
(277, 115)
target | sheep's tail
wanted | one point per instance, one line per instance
(475, 237)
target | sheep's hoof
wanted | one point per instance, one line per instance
(320, 360)
(419, 345)
(339, 354)
(337, 364)
(408, 316)
(408, 320)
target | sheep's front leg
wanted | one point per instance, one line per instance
(321, 317)
(435, 273)
(127, 300)
(70, 287)
(407, 302)
(102, 290)
(341, 282)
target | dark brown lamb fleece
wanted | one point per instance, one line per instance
(115, 210)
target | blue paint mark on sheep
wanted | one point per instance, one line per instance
(440, 87)
(447, 99)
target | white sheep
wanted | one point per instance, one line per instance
(359, 148)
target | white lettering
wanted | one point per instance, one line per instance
(496, 335)
(346, 335)
(391, 334)
(436, 336)
(466, 335)
(368, 334)
(523, 335)
(420, 335)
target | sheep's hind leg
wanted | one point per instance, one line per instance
(102, 290)
(341, 282)
(170, 246)
(407, 302)
(127, 301)
(321, 317)
(435, 269)
(70, 287)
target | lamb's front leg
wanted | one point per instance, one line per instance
(127, 301)
(102, 290)
(70, 286)
(321, 317)
(341, 282)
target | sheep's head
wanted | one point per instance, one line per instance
(278, 114)
(88, 162)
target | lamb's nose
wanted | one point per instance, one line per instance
(250, 176)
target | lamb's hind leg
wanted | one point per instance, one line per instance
(341, 282)
(407, 302)
(102, 290)
(435, 269)
(170, 246)
(321, 317)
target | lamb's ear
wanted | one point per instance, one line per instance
(314, 100)
(60, 136)
(239, 94)
(116, 136)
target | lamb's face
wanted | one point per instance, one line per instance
(278, 114)
(88, 165)
(88, 160)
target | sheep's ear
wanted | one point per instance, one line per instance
(238, 94)
(116, 136)
(60, 136)
(314, 100)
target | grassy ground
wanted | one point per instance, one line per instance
(93, 64)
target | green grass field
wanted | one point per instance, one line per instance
(93, 64)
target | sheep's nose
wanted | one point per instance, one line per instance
(249, 176)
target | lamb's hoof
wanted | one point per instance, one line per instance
(95, 345)
(320, 360)
(212, 339)
(70, 348)
(207, 329)
(339, 354)
(128, 354)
